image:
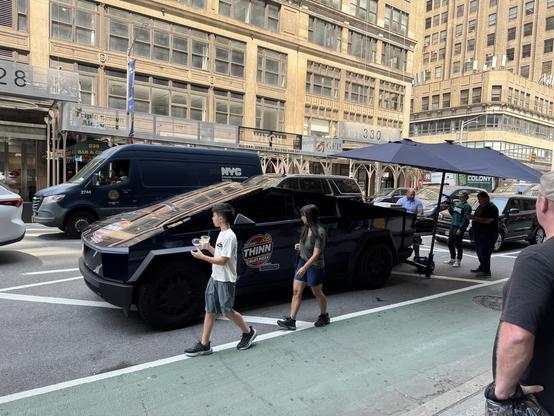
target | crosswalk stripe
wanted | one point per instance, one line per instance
(50, 272)
(57, 301)
(51, 282)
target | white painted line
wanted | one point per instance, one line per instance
(506, 257)
(57, 301)
(265, 321)
(85, 380)
(50, 271)
(413, 301)
(506, 254)
(35, 234)
(439, 277)
(49, 251)
(51, 282)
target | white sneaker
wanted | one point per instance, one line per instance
(451, 261)
(457, 263)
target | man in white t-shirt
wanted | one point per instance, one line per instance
(220, 292)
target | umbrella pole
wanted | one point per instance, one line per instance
(435, 219)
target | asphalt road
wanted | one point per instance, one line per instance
(54, 329)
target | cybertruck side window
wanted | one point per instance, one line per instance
(267, 208)
(327, 206)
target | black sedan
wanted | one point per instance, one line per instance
(517, 221)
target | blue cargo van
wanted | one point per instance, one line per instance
(125, 178)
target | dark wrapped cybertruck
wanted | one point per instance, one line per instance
(143, 257)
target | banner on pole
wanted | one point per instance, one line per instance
(131, 85)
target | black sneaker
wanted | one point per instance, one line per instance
(483, 274)
(477, 270)
(322, 320)
(199, 349)
(287, 323)
(246, 340)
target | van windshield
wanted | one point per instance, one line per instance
(84, 173)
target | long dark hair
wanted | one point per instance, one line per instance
(311, 212)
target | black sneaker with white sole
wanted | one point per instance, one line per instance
(246, 340)
(322, 320)
(199, 349)
(287, 323)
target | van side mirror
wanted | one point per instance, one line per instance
(242, 222)
(513, 211)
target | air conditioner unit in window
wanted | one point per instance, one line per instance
(493, 63)
(475, 65)
(504, 61)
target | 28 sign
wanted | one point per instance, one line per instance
(19, 77)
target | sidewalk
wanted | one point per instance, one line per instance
(429, 357)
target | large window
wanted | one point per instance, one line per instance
(364, 9)
(74, 21)
(256, 12)
(396, 20)
(364, 47)
(322, 80)
(393, 57)
(270, 114)
(272, 67)
(201, 4)
(549, 23)
(229, 107)
(335, 4)
(229, 57)
(359, 89)
(526, 51)
(324, 33)
(391, 96)
(159, 96)
(161, 41)
(13, 14)
(549, 45)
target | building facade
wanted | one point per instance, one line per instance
(484, 76)
(259, 74)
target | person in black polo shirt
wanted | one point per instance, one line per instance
(523, 361)
(485, 233)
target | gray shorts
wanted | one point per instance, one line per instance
(220, 296)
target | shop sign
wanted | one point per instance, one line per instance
(485, 182)
(30, 81)
(367, 133)
(321, 145)
(89, 148)
(96, 120)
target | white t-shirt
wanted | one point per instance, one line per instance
(226, 246)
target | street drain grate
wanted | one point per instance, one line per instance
(491, 302)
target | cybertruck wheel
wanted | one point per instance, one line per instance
(77, 222)
(172, 296)
(374, 267)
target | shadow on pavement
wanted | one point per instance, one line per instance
(9, 257)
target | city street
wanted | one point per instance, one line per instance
(55, 330)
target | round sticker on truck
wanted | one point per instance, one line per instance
(257, 250)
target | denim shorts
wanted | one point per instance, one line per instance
(313, 277)
(219, 296)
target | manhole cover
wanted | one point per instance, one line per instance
(491, 302)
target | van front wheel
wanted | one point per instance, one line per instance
(172, 296)
(77, 222)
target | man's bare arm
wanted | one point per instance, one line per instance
(513, 355)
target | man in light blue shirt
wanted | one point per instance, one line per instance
(412, 205)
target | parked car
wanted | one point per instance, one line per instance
(514, 188)
(142, 257)
(517, 220)
(11, 225)
(430, 195)
(124, 178)
(532, 191)
(388, 195)
(331, 185)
